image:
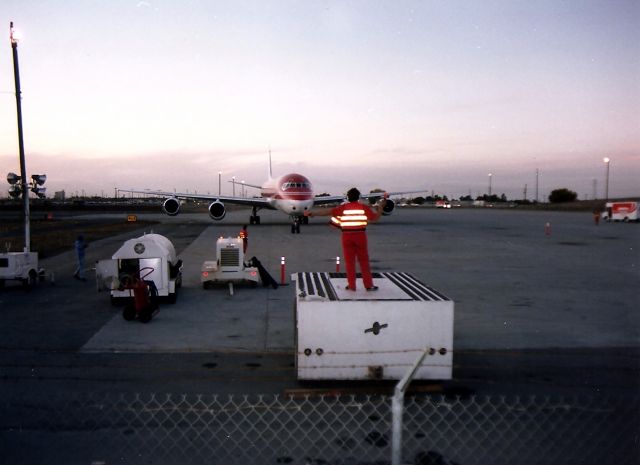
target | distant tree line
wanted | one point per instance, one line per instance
(557, 196)
(562, 195)
(493, 198)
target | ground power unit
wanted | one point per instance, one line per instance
(228, 268)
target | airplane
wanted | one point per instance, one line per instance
(291, 193)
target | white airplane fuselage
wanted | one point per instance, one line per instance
(291, 193)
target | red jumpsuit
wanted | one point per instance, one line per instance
(352, 218)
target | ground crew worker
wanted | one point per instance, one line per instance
(244, 235)
(80, 245)
(596, 217)
(352, 218)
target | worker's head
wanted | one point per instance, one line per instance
(353, 194)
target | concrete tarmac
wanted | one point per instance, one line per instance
(538, 309)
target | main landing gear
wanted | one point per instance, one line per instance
(254, 218)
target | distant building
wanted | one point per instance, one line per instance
(59, 195)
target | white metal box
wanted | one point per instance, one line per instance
(342, 334)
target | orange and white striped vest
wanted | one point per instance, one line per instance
(352, 218)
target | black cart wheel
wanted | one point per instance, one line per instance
(146, 314)
(129, 312)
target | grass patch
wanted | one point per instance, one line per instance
(51, 237)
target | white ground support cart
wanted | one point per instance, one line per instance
(229, 268)
(20, 266)
(361, 335)
(152, 253)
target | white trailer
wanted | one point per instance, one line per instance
(152, 253)
(621, 211)
(20, 266)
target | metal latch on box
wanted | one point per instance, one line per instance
(375, 329)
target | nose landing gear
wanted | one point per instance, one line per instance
(254, 218)
(295, 225)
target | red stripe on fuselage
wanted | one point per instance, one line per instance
(294, 196)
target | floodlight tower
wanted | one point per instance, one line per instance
(23, 170)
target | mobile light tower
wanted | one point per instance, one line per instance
(490, 176)
(22, 266)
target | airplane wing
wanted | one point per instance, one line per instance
(260, 202)
(377, 195)
(328, 199)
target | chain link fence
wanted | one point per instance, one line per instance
(209, 429)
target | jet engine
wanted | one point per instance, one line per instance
(171, 206)
(217, 210)
(388, 207)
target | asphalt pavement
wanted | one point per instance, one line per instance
(537, 308)
(545, 309)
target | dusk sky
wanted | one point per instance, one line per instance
(401, 95)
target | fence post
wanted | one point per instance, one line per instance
(397, 410)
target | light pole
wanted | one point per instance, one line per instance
(219, 182)
(607, 161)
(23, 169)
(490, 176)
(233, 181)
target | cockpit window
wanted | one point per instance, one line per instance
(295, 185)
